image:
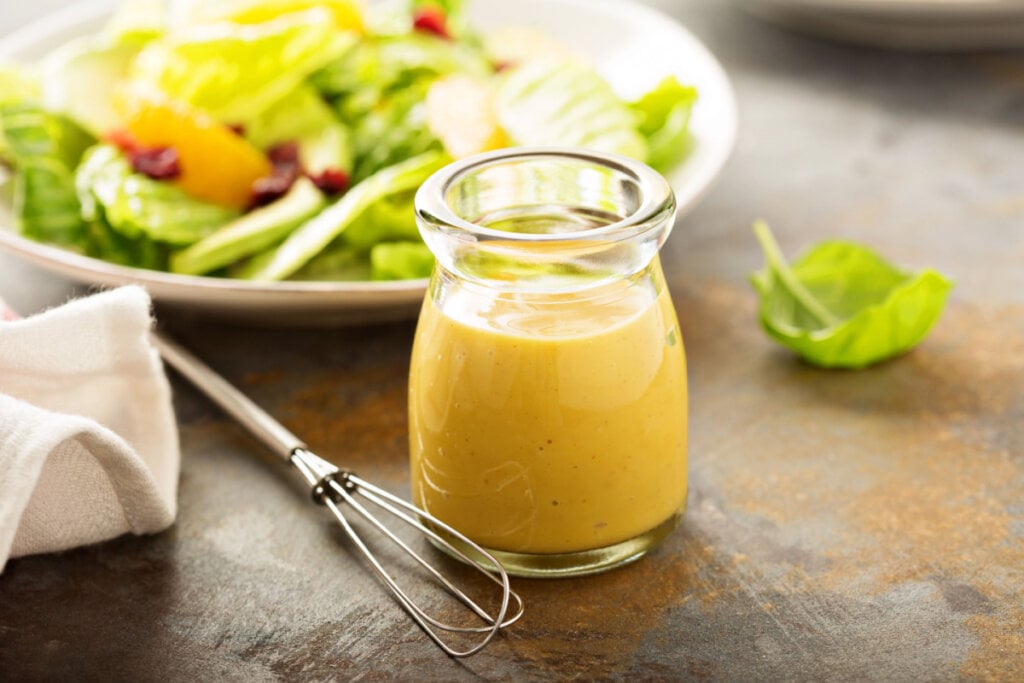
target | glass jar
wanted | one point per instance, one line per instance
(547, 391)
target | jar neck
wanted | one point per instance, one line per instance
(445, 285)
(545, 220)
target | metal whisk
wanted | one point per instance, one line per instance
(337, 489)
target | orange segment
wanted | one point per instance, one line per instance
(216, 164)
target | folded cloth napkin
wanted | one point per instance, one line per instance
(88, 439)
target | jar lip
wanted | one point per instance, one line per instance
(658, 198)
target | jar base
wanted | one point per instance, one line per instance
(579, 563)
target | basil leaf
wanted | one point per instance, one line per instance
(842, 305)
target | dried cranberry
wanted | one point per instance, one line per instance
(274, 186)
(331, 181)
(237, 128)
(284, 154)
(159, 163)
(431, 19)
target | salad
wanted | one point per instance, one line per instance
(285, 139)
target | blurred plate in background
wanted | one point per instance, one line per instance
(903, 24)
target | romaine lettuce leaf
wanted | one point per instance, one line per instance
(400, 261)
(135, 205)
(17, 86)
(303, 117)
(136, 22)
(376, 67)
(45, 202)
(392, 218)
(379, 89)
(552, 101)
(27, 131)
(842, 305)
(665, 122)
(315, 235)
(337, 263)
(103, 242)
(234, 72)
(251, 233)
(80, 79)
(394, 131)
(344, 14)
(43, 149)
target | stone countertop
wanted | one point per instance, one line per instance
(840, 525)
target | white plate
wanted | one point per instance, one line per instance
(906, 24)
(632, 46)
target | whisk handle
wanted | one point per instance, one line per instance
(259, 423)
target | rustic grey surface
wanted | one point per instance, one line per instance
(841, 525)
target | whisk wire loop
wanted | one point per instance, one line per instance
(491, 569)
(337, 489)
(336, 486)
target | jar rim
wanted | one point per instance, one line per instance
(657, 195)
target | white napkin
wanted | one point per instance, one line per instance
(88, 440)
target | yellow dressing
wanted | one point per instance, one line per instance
(550, 428)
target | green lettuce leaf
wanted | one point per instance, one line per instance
(390, 219)
(251, 233)
(137, 206)
(400, 261)
(376, 67)
(43, 148)
(394, 131)
(17, 86)
(841, 305)
(556, 101)
(665, 122)
(378, 90)
(103, 242)
(137, 22)
(337, 263)
(235, 72)
(27, 131)
(303, 117)
(312, 237)
(80, 78)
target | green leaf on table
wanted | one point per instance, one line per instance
(842, 305)
(665, 122)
